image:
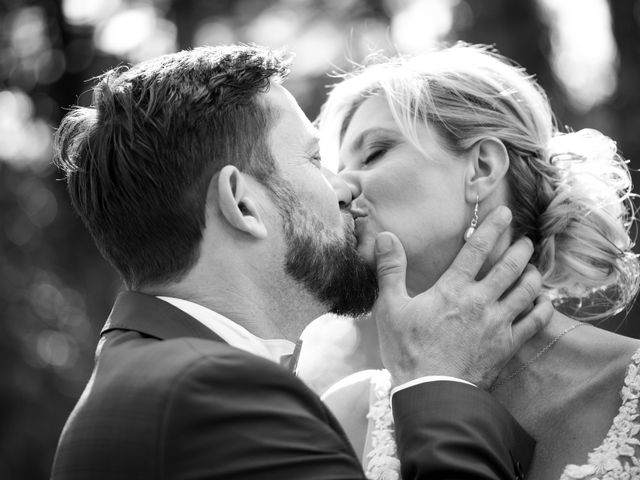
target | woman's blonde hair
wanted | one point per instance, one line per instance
(569, 192)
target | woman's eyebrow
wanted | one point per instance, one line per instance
(372, 132)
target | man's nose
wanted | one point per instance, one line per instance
(345, 190)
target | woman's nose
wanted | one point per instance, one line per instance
(345, 189)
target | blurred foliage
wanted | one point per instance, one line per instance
(56, 290)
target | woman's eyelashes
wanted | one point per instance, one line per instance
(376, 151)
(373, 156)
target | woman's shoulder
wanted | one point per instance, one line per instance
(349, 401)
(617, 455)
(621, 351)
(352, 392)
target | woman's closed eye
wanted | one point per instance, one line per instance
(373, 156)
(376, 151)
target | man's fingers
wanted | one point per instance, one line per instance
(508, 269)
(520, 298)
(537, 319)
(391, 266)
(475, 252)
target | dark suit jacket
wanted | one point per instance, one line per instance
(168, 399)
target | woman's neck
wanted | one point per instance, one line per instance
(561, 362)
(538, 349)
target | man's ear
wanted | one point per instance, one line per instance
(488, 167)
(237, 202)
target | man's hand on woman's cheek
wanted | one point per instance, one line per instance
(461, 327)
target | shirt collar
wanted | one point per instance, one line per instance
(232, 333)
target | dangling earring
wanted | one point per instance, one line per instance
(474, 221)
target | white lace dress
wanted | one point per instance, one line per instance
(617, 458)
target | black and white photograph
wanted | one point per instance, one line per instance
(319, 239)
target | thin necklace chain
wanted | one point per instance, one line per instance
(545, 349)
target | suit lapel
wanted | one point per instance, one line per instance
(154, 317)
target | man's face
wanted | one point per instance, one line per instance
(321, 247)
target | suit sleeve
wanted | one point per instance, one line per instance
(449, 430)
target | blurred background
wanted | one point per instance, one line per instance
(55, 289)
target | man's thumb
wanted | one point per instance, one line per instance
(391, 265)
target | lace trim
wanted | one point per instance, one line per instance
(382, 459)
(617, 458)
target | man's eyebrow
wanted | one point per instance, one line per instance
(372, 132)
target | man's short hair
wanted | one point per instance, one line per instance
(139, 160)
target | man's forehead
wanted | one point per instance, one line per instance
(279, 97)
(289, 121)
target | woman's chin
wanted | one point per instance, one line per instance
(366, 252)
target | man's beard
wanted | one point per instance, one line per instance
(327, 265)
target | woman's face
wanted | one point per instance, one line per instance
(396, 189)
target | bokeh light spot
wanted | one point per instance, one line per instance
(88, 12)
(137, 33)
(28, 32)
(584, 53)
(274, 28)
(214, 32)
(46, 300)
(55, 349)
(421, 24)
(25, 141)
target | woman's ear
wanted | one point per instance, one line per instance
(236, 199)
(488, 168)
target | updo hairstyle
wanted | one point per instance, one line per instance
(569, 192)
